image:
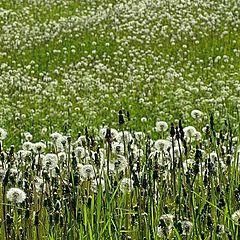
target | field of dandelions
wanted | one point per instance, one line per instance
(119, 119)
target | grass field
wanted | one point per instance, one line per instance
(119, 119)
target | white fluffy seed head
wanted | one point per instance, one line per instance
(161, 126)
(196, 114)
(3, 134)
(16, 195)
(87, 172)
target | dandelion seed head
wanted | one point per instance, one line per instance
(162, 145)
(139, 136)
(124, 137)
(143, 119)
(186, 227)
(38, 182)
(23, 154)
(16, 195)
(2, 174)
(55, 136)
(196, 114)
(118, 147)
(50, 161)
(189, 132)
(39, 147)
(167, 218)
(62, 156)
(28, 136)
(161, 126)
(120, 164)
(27, 146)
(3, 134)
(236, 216)
(80, 152)
(87, 172)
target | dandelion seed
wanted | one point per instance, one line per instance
(16, 195)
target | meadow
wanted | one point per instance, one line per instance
(119, 119)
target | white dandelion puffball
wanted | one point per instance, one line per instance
(120, 163)
(80, 152)
(167, 218)
(87, 172)
(118, 147)
(143, 119)
(55, 136)
(126, 185)
(16, 195)
(50, 161)
(39, 147)
(236, 216)
(102, 132)
(114, 133)
(139, 136)
(186, 227)
(196, 114)
(161, 126)
(28, 136)
(27, 146)
(162, 145)
(3, 134)
(198, 136)
(189, 132)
